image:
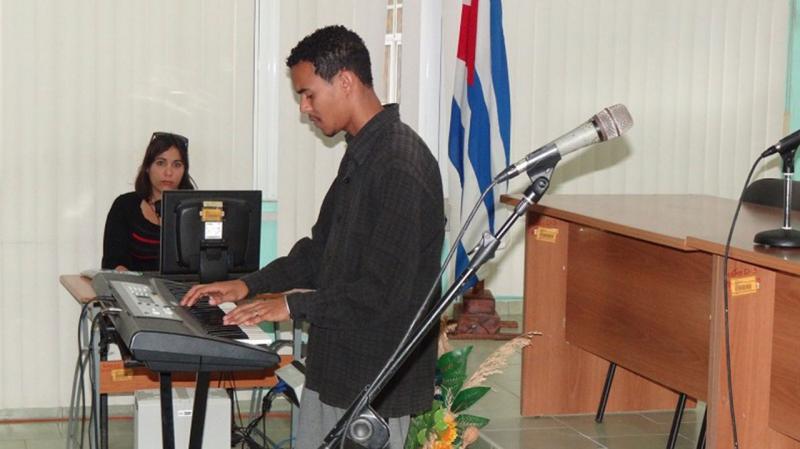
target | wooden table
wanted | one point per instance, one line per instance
(638, 280)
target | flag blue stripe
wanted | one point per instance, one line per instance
(455, 141)
(479, 144)
(500, 75)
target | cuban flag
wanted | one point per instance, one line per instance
(480, 120)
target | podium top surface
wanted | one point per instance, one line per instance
(684, 222)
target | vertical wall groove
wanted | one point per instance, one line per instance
(83, 84)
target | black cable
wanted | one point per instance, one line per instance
(236, 405)
(92, 380)
(82, 393)
(266, 406)
(82, 361)
(264, 427)
(725, 303)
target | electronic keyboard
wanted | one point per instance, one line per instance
(166, 336)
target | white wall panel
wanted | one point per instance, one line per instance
(83, 84)
(704, 81)
(307, 159)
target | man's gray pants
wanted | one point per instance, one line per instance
(317, 419)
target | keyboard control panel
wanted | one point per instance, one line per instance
(144, 301)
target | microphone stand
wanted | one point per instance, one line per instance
(367, 429)
(785, 237)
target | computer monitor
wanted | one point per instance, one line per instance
(210, 235)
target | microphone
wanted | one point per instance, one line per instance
(785, 145)
(607, 124)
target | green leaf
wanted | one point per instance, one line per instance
(411, 442)
(422, 437)
(417, 425)
(454, 361)
(466, 398)
(421, 426)
(438, 420)
(453, 366)
(463, 421)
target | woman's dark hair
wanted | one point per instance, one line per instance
(159, 143)
(332, 49)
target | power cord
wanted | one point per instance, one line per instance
(96, 321)
(245, 434)
(725, 295)
(78, 400)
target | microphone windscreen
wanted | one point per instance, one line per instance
(613, 121)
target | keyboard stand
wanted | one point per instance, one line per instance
(198, 410)
(167, 426)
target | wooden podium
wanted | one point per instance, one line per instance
(638, 280)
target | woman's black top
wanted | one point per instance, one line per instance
(130, 239)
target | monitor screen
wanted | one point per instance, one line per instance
(211, 234)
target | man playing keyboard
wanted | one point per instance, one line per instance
(373, 253)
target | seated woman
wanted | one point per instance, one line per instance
(133, 230)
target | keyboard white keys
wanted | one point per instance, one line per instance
(255, 335)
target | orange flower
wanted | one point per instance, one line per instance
(451, 432)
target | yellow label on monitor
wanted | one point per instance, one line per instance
(548, 235)
(744, 285)
(212, 211)
(121, 375)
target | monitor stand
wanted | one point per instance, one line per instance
(213, 262)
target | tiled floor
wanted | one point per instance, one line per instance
(507, 430)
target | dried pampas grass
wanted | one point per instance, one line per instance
(496, 362)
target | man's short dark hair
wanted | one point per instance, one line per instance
(332, 49)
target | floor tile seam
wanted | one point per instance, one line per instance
(650, 419)
(511, 429)
(599, 444)
(626, 435)
(490, 441)
(577, 430)
(503, 389)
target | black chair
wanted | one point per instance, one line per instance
(672, 439)
(769, 192)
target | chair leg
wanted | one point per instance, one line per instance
(601, 408)
(701, 437)
(676, 421)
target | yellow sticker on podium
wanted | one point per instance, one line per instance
(744, 285)
(548, 235)
(121, 375)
